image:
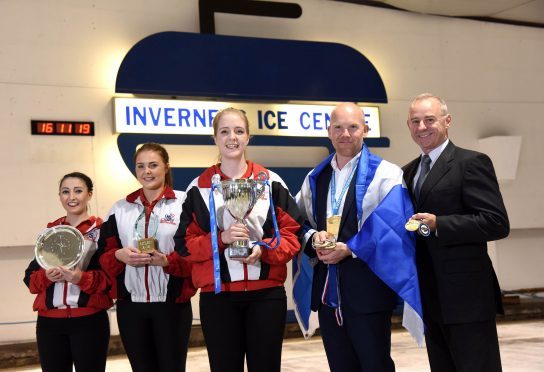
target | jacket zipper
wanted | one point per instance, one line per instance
(246, 277)
(64, 300)
(146, 275)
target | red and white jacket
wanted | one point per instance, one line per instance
(193, 239)
(147, 283)
(66, 300)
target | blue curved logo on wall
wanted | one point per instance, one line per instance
(205, 66)
(246, 68)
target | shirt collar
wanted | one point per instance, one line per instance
(138, 196)
(350, 164)
(435, 153)
(83, 227)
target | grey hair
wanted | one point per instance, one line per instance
(423, 96)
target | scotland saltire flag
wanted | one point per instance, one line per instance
(383, 207)
(302, 293)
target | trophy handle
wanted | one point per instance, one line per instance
(260, 184)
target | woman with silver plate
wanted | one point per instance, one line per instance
(71, 290)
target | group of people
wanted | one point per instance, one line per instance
(243, 302)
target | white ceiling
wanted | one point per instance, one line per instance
(530, 12)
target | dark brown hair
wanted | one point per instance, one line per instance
(81, 176)
(155, 147)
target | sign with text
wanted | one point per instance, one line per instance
(167, 116)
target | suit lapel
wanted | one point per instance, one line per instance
(410, 171)
(349, 204)
(439, 169)
(321, 201)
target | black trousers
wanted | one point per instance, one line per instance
(80, 341)
(362, 344)
(155, 335)
(466, 347)
(244, 324)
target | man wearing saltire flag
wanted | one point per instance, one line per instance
(354, 283)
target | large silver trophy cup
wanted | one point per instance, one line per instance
(240, 196)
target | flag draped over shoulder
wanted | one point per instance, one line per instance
(302, 268)
(302, 293)
(383, 207)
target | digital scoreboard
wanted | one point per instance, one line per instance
(62, 128)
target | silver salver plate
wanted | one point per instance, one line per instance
(59, 246)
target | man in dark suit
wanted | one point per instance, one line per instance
(354, 305)
(456, 193)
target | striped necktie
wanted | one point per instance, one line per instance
(425, 167)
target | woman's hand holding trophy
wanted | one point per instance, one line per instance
(133, 257)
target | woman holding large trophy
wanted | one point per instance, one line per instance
(150, 280)
(240, 262)
(71, 290)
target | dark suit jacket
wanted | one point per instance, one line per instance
(361, 290)
(457, 281)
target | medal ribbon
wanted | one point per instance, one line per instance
(331, 293)
(276, 239)
(335, 203)
(215, 244)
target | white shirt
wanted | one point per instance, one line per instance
(340, 177)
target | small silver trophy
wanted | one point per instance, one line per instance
(149, 244)
(240, 196)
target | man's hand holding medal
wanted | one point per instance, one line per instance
(423, 223)
(328, 249)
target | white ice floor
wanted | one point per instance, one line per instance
(521, 342)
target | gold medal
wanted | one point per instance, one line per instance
(333, 225)
(329, 243)
(416, 225)
(412, 225)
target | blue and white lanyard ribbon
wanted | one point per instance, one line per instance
(331, 293)
(276, 239)
(215, 243)
(335, 203)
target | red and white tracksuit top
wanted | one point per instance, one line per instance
(193, 239)
(63, 299)
(147, 283)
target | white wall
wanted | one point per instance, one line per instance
(59, 58)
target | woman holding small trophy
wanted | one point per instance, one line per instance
(150, 280)
(71, 290)
(240, 262)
